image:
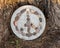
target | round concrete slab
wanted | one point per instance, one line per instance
(28, 22)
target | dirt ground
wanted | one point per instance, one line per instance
(49, 39)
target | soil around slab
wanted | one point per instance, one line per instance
(49, 39)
